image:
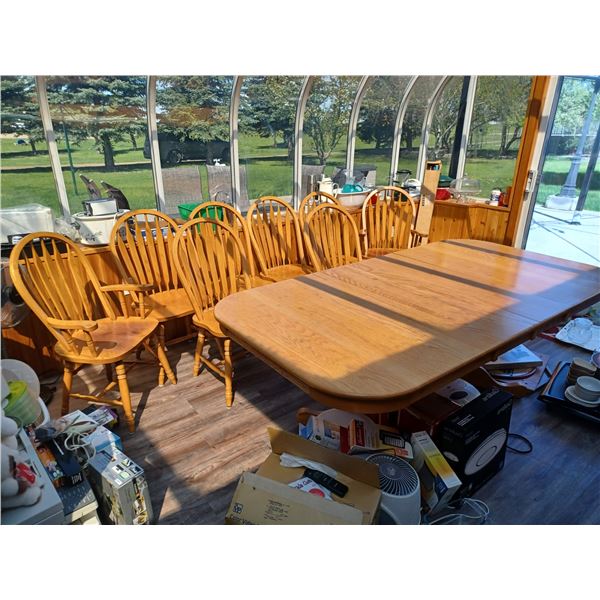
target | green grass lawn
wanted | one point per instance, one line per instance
(269, 171)
(84, 153)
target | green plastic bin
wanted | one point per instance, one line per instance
(211, 212)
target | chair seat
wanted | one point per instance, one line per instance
(373, 252)
(256, 281)
(169, 304)
(209, 323)
(113, 340)
(284, 272)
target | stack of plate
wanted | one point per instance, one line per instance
(580, 368)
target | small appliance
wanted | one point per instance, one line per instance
(17, 221)
(400, 490)
(100, 206)
(473, 440)
(13, 309)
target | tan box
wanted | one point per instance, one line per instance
(265, 498)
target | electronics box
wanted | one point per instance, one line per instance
(438, 481)
(265, 498)
(120, 488)
(104, 439)
(473, 440)
(427, 414)
(17, 221)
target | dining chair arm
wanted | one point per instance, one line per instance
(64, 324)
(135, 290)
(417, 237)
(127, 287)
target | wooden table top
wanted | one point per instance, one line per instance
(378, 335)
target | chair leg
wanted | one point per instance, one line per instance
(228, 372)
(108, 370)
(198, 353)
(67, 383)
(125, 397)
(161, 344)
(165, 367)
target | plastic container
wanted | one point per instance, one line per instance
(353, 198)
(21, 394)
(465, 187)
(211, 212)
(444, 181)
(95, 230)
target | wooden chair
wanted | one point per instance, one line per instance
(116, 194)
(314, 199)
(58, 283)
(91, 186)
(331, 237)
(211, 263)
(386, 220)
(182, 185)
(276, 239)
(225, 213)
(141, 243)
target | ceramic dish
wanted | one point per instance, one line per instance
(572, 397)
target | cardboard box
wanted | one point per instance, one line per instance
(265, 498)
(473, 440)
(438, 481)
(427, 414)
(352, 433)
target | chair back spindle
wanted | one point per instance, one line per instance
(387, 218)
(210, 261)
(275, 233)
(331, 237)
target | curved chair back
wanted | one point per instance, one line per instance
(387, 217)
(331, 237)
(210, 261)
(225, 213)
(314, 199)
(56, 280)
(141, 242)
(274, 233)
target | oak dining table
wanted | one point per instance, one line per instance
(378, 335)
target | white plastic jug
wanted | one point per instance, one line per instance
(326, 185)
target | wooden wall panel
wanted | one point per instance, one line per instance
(32, 343)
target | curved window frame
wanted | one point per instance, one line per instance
(303, 97)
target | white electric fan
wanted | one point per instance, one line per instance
(400, 490)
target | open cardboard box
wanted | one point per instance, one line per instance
(264, 497)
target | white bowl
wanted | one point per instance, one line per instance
(588, 388)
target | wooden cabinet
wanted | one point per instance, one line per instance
(453, 220)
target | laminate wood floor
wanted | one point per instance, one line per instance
(193, 449)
